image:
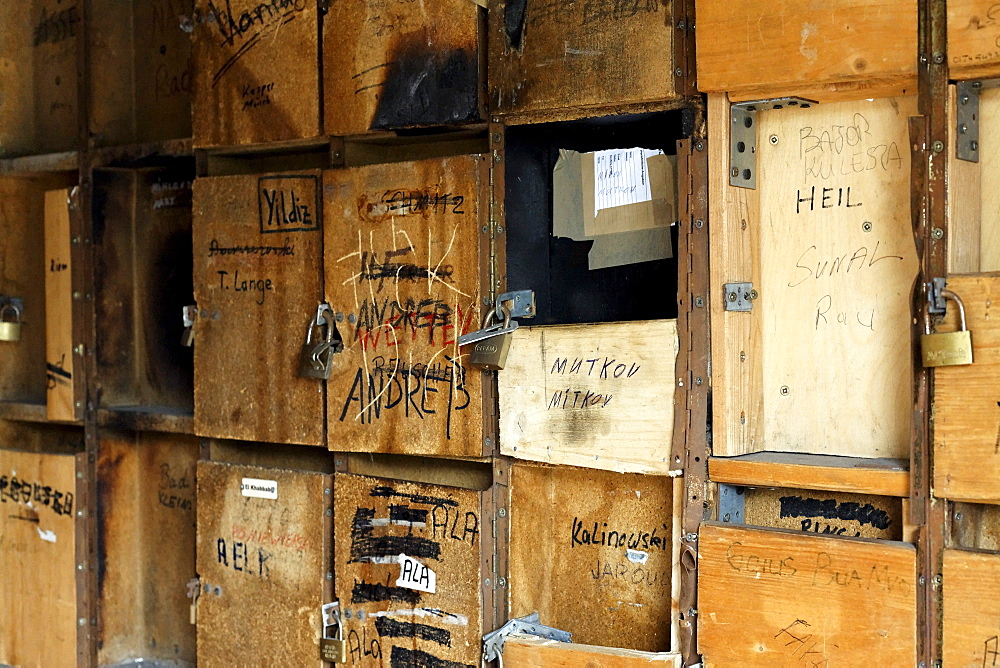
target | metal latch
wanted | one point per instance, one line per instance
(520, 303)
(739, 296)
(936, 302)
(743, 136)
(529, 625)
(732, 502)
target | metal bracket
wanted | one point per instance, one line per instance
(731, 504)
(936, 301)
(967, 119)
(739, 296)
(743, 136)
(528, 625)
(522, 303)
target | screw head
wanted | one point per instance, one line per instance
(678, 72)
(699, 223)
(784, 390)
(937, 233)
(866, 226)
(938, 146)
(502, 512)
(699, 302)
(773, 139)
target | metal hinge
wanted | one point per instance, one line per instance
(743, 136)
(739, 296)
(529, 625)
(520, 302)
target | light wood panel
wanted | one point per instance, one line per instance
(59, 366)
(971, 631)
(885, 477)
(973, 35)
(533, 652)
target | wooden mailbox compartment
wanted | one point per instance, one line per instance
(851, 47)
(409, 571)
(771, 597)
(826, 241)
(593, 553)
(402, 65)
(38, 77)
(534, 652)
(973, 33)
(264, 558)
(256, 73)
(38, 546)
(146, 524)
(971, 608)
(556, 61)
(258, 267)
(143, 265)
(405, 253)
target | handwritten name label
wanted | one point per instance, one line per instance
(289, 203)
(596, 367)
(259, 488)
(844, 149)
(415, 575)
(244, 557)
(256, 96)
(260, 285)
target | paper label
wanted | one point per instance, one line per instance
(621, 177)
(260, 489)
(415, 575)
(636, 556)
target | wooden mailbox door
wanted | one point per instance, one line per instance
(257, 281)
(404, 251)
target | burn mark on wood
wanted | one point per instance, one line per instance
(415, 658)
(390, 628)
(375, 592)
(514, 14)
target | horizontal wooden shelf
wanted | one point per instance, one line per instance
(27, 412)
(883, 477)
(67, 161)
(110, 155)
(146, 418)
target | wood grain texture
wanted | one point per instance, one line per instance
(38, 551)
(884, 477)
(376, 521)
(973, 31)
(591, 551)
(775, 49)
(59, 357)
(976, 526)
(578, 55)
(147, 523)
(775, 598)
(827, 513)
(249, 337)
(263, 565)
(965, 197)
(256, 74)
(971, 636)
(966, 412)
(533, 652)
(397, 64)
(599, 396)
(403, 271)
(989, 163)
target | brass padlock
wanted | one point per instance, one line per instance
(10, 330)
(947, 348)
(491, 353)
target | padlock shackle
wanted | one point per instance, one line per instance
(948, 294)
(17, 312)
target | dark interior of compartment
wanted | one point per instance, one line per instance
(143, 277)
(556, 268)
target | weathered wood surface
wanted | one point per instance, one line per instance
(776, 598)
(966, 412)
(59, 356)
(884, 477)
(760, 51)
(256, 74)
(600, 396)
(830, 217)
(38, 553)
(143, 279)
(396, 619)
(976, 526)
(147, 523)
(403, 265)
(263, 564)
(827, 513)
(533, 652)
(591, 551)
(258, 263)
(973, 36)
(546, 56)
(971, 635)
(402, 64)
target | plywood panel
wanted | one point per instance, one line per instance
(971, 636)
(37, 549)
(973, 39)
(548, 55)
(884, 477)
(966, 412)
(828, 513)
(533, 652)
(591, 552)
(600, 396)
(400, 64)
(988, 200)
(403, 274)
(258, 264)
(59, 367)
(263, 565)
(147, 523)
(768, 51)
(256, 76)
(837, 266)
(774, 598)
(377, 520)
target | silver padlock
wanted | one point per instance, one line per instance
(315, 359)
(10, 330)
(491, 344)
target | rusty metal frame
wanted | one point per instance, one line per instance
(684, 68)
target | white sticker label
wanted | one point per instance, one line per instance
(621, 177)
(47, 535)
(261, 489)
(414, 575)
(636, 556)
